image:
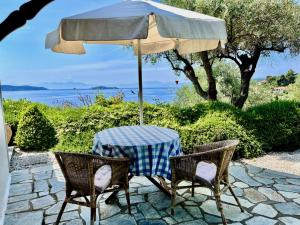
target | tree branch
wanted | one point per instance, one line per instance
(223, 56)
(167, 57)
(18, 18)
(272, 48)
(190, 74)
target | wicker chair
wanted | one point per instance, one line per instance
(79, 172)
(208, 167)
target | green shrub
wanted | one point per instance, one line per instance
(78, 142)
(272, 126)
(101, 100)
(12, 112)
(190, 115)
(77, 133)
(35, 132)
(276, 124)
(216, 127)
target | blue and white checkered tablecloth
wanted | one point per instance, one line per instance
(148, 148)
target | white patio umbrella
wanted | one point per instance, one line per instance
(148, 26)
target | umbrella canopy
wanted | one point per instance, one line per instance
(148, 26)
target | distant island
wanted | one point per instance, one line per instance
(21, 88)
(103, 88)
(36, 88)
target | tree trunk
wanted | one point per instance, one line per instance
(247, 69)
(190, 74)
(244, 89)
(212, 89)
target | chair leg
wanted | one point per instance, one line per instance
(236, 199)
(220, 208)
(217, 194)
(173, 198)
(61, 212)
(93, 215)
(128, 200)
(193, 188)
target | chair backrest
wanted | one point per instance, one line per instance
(77, 170)
(225, 151)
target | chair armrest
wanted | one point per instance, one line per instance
(214, 146)
(119, 166)
(185, 166)
(204, 148)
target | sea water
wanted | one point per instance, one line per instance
(75, 96)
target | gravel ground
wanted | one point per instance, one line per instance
(288, 162)
(23, 160)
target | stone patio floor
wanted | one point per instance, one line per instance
(268, 197)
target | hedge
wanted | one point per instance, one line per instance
(35, 132)
(276, 125)
(218, 126)
(271, 126)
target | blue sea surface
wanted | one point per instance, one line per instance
(59, 97)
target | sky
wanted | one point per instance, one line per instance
(25, 61)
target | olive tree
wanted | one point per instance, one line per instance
(255, 28)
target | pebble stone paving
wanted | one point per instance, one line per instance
(268, 197)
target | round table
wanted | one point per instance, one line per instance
(148, 148)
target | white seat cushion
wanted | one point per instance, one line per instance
(206, 171)
(102, 177)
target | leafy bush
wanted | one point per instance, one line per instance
(272, 126)
(189, 115)
(12, 112)
(76, 134)
(35, 131)
(276, 124)
(57, 115)
(102, 101)
(216, 127)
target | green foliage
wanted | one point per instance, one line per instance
(218, 126)
(282, 80)
(260, 94)
(35, 132)
(228, 80)
(294, 90)
(286, 79)
(102, 101)
(189, 115)
(276, 124)
(251, 23)
(291, 76)
(12, 112)
(272, 80)
(76, 133)
(187, 96)
(252, 32)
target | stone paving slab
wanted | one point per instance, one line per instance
(268, 198)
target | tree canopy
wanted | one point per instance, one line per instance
(255, 28)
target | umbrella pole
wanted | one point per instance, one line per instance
(140, 81)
